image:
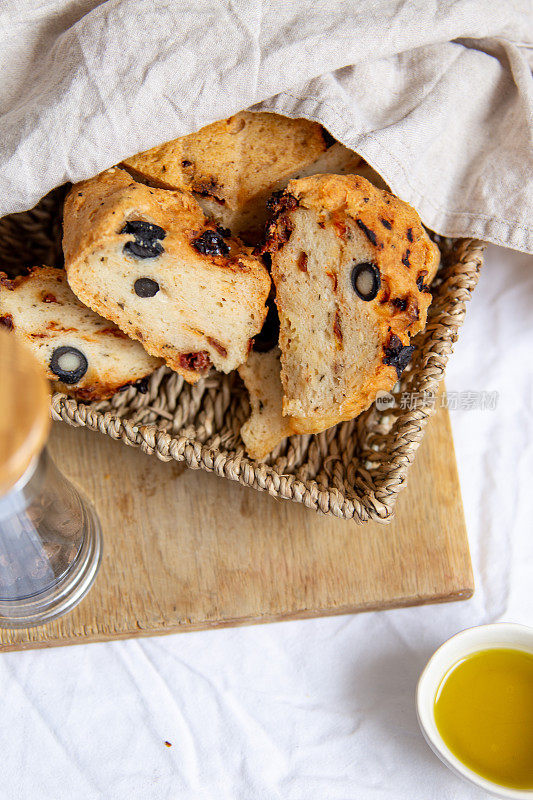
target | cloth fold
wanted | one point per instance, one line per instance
(438, 97)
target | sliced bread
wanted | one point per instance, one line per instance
(84, 355)
(266, 427)
(148, 260)
(351, 265)
(233, 165)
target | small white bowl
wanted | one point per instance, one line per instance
(484, 637)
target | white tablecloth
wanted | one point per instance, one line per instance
(313, 710)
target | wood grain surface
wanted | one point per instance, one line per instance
(187, 550)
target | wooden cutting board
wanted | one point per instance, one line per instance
(187, 550)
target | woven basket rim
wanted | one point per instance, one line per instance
(377, 504)
(354, 470)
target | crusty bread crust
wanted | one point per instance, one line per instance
(209, 301)
(232, 166)
(43, 312)
(339, 350)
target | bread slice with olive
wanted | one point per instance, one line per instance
(351, 264)
(148, 260)
(84, 355)
(232, 166)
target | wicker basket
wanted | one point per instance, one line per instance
(354, 470)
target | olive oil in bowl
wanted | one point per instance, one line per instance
(483, 711)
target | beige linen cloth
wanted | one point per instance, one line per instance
(438, 97)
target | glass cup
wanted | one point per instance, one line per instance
(50, 546)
